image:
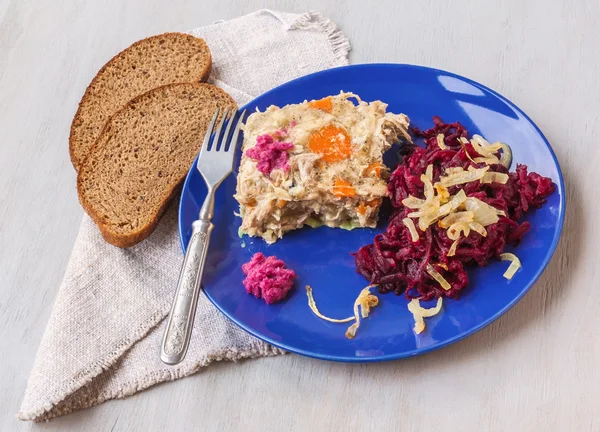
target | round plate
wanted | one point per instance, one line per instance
(321, 257)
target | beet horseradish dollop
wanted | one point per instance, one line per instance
(270, 154)
(268, 278)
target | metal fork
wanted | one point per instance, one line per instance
(215, 163)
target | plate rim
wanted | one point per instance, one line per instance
(445, 342)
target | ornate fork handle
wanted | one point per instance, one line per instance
(214, 163)
(181, 319)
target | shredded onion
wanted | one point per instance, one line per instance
(453, 204)
(412, 202)
(463, 143)
(414, 235)
(424, 210)
(452, 250)
(453, 170)
(430, 210)
(484, 213)
(438, 277)
(313, 307)
(429, 192)
(463, 177)
(442, 192)
(428, 219)
(494, 177)
(515, 264)
(418, 313)
(461, 213)
(506, 156)
(483, 147)
(429, 172)
(487, 160)
(366, 301)
(451, 219)
(440, 142)
(478, 228)
(456, 229)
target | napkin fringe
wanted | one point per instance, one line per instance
(337, 39)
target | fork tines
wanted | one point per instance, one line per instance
(223, 142)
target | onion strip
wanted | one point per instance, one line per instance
(414, 235)
(419, 313)
(456, 229)
(506, 155)
(440, 142)
(313, 307)
(429, 192)
(515, 264)
(366, 301)
(429, 172)
(463, 142)
(452, 250)
(453, 204)
(494, 177)
(442, 192)
(412, 202)
(438, 277)
(491, 160)
(483, 147)
(451, 219)
(478, 228)
(463, 177)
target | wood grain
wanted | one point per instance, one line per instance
(535, 369)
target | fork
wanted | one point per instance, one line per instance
(215, 163)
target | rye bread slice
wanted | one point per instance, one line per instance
(142, 156)
(153, 62)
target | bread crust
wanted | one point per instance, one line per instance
(202, 78)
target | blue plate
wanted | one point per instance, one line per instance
(321, 257)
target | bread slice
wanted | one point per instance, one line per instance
(159, 60)
(143, 155)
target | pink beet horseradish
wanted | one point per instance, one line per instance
(270, 154)
(268, 278)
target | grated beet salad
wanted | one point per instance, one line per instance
(399, 265)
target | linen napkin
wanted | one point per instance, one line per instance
(103, 338)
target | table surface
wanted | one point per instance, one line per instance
(536, 368)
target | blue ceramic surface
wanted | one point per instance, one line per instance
(321, 257)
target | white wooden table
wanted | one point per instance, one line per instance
(534, 369)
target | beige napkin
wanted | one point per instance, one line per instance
(102, 341)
